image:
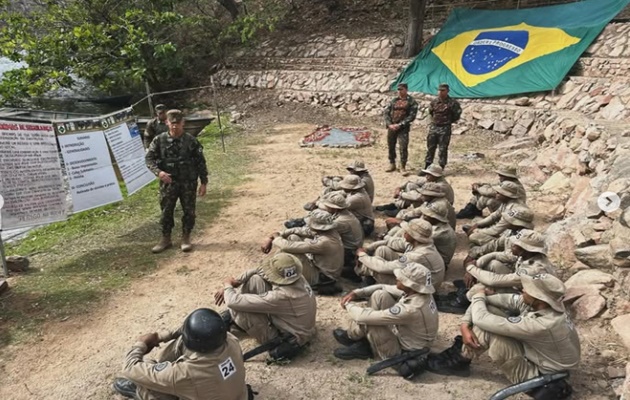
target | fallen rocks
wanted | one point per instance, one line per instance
(575, 292)
(590, 277)
(621, 325)
(588, 306)
(558, 182)
(17, 263)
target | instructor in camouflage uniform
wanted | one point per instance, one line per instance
(444, 111)
(398, 118)
(176, 158)
(156, 126)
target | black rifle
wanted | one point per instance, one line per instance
(270, 345)
(396, 360)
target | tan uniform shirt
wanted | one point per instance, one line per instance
(414, 319)
(445, 241)
(360, 205)
(425, 254)
(548, 336)
(325, 250)
(448, 189)
(349, 229)
(494, 224)
(538, 264)
(502, 243)
(219, 375)
(291, 308)
(369, 184)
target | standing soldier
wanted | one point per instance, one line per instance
(156, 126)
(398, 118)
(176, 158)
(444, 111)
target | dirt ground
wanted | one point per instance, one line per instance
(79, 358)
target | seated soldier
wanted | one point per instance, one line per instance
(200, 361)
(321, 256)
(519, 217)
(415, 246)
(532, 336)
(431, 193)
(274, 300)
(484, 195)
(408, 194)
(502, 271)
(491, 227)
(331, 183)
(444, 237)
(359, 202)
(397, 319)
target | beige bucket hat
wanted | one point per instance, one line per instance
(357, 165)
(508, 189)
(509, 172)
(519, 215)
(351, 182)
(334, 200)
(416, 277)
(320, 220)
(419, 229)
(435, 210)
(432, 189)
(435, 170)
(531, 241)
(545, 287)
(282, 269)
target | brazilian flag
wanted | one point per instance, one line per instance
(487, 53)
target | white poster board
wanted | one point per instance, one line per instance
(93, 182)
(125, 142)
(31, 181)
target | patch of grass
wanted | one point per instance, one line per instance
(75, 264)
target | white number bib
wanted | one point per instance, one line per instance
(227, 368)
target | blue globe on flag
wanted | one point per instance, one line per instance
(491, 50)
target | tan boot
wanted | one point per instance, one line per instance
(392, 168)
(186, 246)
(164, 244)
(403, 170)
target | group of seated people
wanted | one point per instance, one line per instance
(509, 295)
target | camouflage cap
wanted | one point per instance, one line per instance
(531, 241)
(351, 182)
(174, 115)
(519, 215)
(432, 189)
(160, 107)
(416, 277)
(509, 172)
(420, 230)
(545, 287)
(443, 86)
(356, 165)
(434, 210)
(281, 269)
(508, 189)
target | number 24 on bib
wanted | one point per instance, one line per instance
(227, 368)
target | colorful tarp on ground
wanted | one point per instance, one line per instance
(329, 136)
(487, 53)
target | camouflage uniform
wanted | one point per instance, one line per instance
(183, 159)
(154, 128)
(443, 113)
(403, 112)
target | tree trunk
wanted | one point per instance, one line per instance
(232, 7)
(414, 31)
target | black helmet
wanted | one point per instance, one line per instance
(204, 331)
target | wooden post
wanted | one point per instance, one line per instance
(216, 106)
(151, 110)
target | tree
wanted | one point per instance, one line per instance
(116, 46)
(416, 25)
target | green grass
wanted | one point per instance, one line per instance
(77, 263)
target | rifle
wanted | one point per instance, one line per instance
(396, 360)
(270, 345)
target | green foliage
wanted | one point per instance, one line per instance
(116, 46)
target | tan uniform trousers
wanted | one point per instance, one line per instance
(257, 325)
(507, 353)
(383, 341)
(386, 253)
(478, 238)
(482, 202)
(497, 267)
(168, 353)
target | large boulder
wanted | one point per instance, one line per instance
(558, 182)
(17, 263)
(590, 277)
(597, 256)
(621, 325)
(581, 195)
(588, 306)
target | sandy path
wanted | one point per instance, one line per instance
(78, 358)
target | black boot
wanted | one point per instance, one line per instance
(286, 351)
(329, 288)
(360, 350)
(125, 388)
(384, 207)
(391, 213)
(469, 212)
(413, 367)
(295, 223)
(350, 275)
(450, 361)
(341, 336)
(457, 305)
(552, 391)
